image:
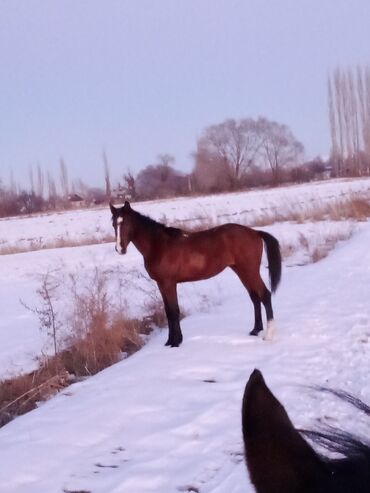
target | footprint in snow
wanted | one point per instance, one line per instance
(101, 465)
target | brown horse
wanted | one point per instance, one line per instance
(172, 256)
(280, 460)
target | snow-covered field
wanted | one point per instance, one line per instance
(245, 207)
(168, 420)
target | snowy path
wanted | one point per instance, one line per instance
(168, 420)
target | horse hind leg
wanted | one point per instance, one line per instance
(258, 293)
(262, 294)
(270, 325)
(258, 326)
(256, 300)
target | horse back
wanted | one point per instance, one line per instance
(192, 256)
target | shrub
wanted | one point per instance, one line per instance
(93, 334)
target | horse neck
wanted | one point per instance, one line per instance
(143, 238)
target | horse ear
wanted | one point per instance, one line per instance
(127, 204)
(112, 208)
(278, 458)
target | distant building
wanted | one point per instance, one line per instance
(325, 173)
(76, 200)
(96, 196)
(319, 168)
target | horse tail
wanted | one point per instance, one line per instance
(273, 258)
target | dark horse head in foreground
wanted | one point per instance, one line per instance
(172, 256)
(280, 460)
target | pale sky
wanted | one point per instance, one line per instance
(143, 77)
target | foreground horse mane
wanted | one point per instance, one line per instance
(280, 460)
(338, 441)
(155, 226)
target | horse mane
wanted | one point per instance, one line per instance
(156, 227)
(279, 457)
(351, 447)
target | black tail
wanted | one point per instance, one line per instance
(273, 257)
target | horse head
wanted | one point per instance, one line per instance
(278, 458)
(122, 224)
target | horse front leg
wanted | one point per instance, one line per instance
(168, 291)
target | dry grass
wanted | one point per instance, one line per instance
(99, 348)
(21, 394)
(58, 243)
(98, 332)
(137, 283)
(316, 247)
(102, 346)
(328, 243)
(99, 335)
(354, 207)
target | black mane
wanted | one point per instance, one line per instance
(281, 460)
(157, 227)
(332, 439)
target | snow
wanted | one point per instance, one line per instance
(168, 419)
(245, 207)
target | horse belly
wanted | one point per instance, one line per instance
(200, 266)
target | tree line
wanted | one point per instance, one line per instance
(349, 119)
(230, 155)
(44, 193)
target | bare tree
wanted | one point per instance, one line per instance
(367, 101)
(52, 190)
(344, 92)
(354, 117)
(364, 115)
(64, 183)
(166, 159)
(279, 147)
(40, 181)
(108, 189)
(81, 187)
(48, 316)
(32, 182)
(335, 153)
(349, 119)
(29, 202)
(129, 181)
(340, 118)
(160, 180)
(210, 174)
(233, 144)
(13, 190)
